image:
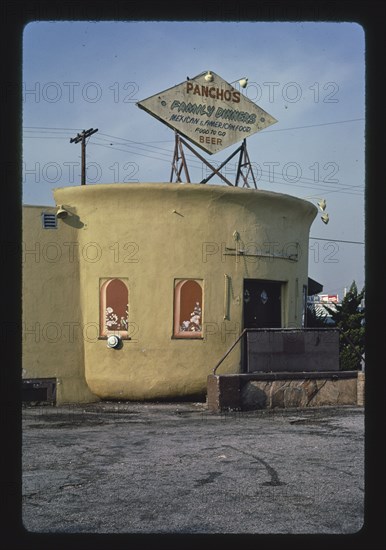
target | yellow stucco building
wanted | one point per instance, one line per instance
(176, 271)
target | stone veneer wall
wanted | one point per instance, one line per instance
(271, 390)
(298, 393)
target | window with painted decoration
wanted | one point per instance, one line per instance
(188, 308)
(114, 308)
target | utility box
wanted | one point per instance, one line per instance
(39, 390)
(298, 350)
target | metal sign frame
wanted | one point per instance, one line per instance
(179, 164)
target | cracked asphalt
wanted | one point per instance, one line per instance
(176, 468)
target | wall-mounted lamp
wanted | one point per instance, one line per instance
(114, 341)
(243, 82)
(62, 212)
(208, 77)
(322, 203)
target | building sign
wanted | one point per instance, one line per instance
(212, 114)
(323, 299)
(329, 298)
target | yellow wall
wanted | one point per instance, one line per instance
(151, 234)
(52, 318)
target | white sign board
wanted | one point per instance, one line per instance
(212, 114)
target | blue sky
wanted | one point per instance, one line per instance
(309, 76)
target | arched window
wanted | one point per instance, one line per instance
(114, 308)
(188, 309)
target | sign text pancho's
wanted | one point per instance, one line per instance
(213, 115)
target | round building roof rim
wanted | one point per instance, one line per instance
(223, 189)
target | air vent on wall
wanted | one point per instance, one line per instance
(39, 390)
(49, 220)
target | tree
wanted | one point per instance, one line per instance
(349, 318)
(315, 318)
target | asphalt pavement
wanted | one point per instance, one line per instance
(177, 468)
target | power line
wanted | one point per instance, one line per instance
(302, 182)
(50, 128)
(302, 178)
(132, 152)
(335, 240)
(265, 132)
(309, 182)
(314, 125)
(305, 183)
(341, 189)
(135, 144)
(168, 151)
(48, 137)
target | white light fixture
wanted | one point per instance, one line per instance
(242, 81)
(62, 212)
(322, 204)
(114, 341)
(208, 77)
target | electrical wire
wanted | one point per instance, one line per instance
(313, 125)
(305, 183)
(336, 240)
(159, 150)
(302, 182)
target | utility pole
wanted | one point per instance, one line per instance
(82, 137)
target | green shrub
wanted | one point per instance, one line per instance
(349, 318)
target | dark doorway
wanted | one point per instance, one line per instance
(262, 308)
(262, 304)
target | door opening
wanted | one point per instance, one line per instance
(262, 304)
(262, 307)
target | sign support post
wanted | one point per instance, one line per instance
(243, 164)
(179, 156)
